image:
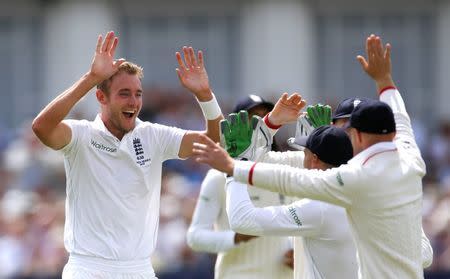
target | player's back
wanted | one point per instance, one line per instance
(386, 213)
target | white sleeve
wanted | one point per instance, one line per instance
(78, 128)
(427, 251)
(201, 235)
(290, 158)
(336, 186)
(301, 218)
(404, 133)
(169, 140)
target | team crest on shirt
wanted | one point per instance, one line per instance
(139, 151)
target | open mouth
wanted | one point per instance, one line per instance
(129, 113)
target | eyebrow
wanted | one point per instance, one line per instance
(128, 90)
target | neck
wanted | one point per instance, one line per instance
(366, 140)
(112, 128)
(371, 139)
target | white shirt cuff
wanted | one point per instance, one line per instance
(228, 241)
(241, 170)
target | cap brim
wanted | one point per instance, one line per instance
(341, 116)
(297, 143)
(267, 105)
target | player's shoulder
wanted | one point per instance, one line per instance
(153, 128)
(81, 127)
(216, 176)
(79, 122)
(213, 185)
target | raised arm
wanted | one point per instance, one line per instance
(193, 76)
(48, 125)
(297, 219)
(378, 67)
(201, 235)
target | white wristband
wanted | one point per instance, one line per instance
(210, 109)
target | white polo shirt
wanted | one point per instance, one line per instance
(381, 189)
(113, 188)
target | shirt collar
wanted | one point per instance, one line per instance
(99, 125)
(361, 157)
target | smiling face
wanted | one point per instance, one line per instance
(121, 104)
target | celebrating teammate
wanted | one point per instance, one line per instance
(324, 246)
(113, 164)
(380, 188)
(239, 255)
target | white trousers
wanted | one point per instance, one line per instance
(85, 267)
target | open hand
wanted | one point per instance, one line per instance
(287, 109)
(208, 152)
(192, 73)
(103, 65)
(378, 62)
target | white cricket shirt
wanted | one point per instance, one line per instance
(381, 189)
(323, 243)
(210, 231)
(113, 188)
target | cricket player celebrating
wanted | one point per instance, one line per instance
(238, 256)
(380, 188)
(323, 246)
(113, 164)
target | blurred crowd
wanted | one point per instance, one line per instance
(32, 195)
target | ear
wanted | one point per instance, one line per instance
(101, 96)
(315, 162)
(359, 135)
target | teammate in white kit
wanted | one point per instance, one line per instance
(238, 256)
(113, 164)
(380, 188)
(323, 246)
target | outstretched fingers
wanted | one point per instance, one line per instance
(387, 52)
(187, 57)
(112, 50)
(98, 48)
(284, 97)
(363, 62)
(107, 41)
(200, 59)
(180, 61)
(192, 57)
(199, 149)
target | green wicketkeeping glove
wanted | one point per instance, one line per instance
(236, 133)
(319, 115)
(244, 140)
(315, 117)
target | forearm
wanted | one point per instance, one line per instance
(213, 128)
(208, 240)
(212, 113)
(384, 82)
(245, 218)
(393, 98)
(58, 109)
(290, 158)
(313, 184)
